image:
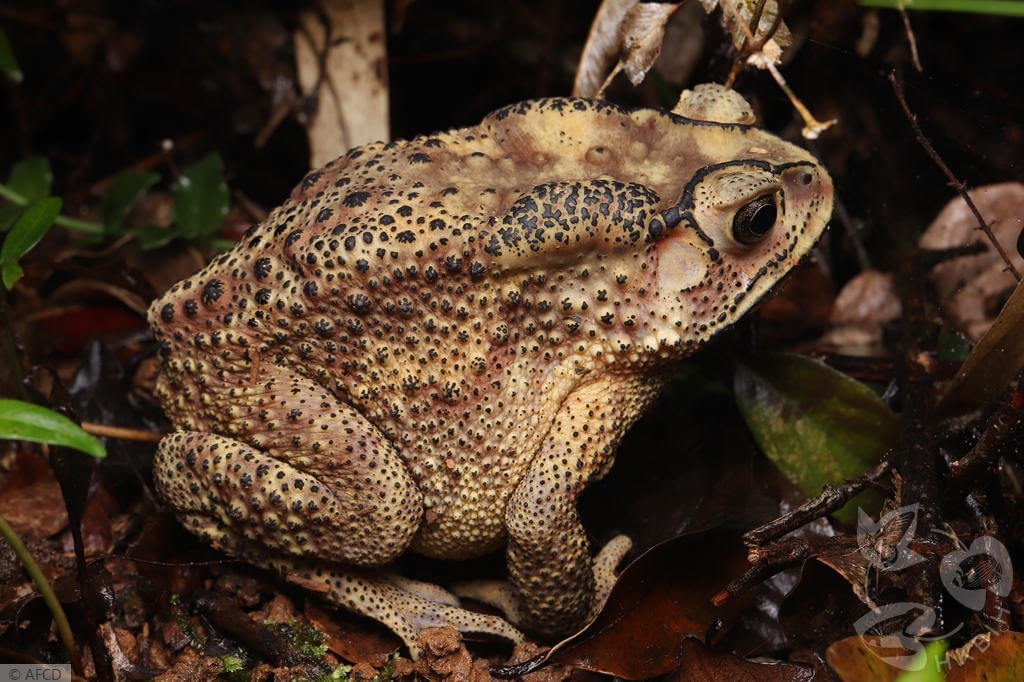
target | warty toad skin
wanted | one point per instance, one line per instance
(435, 345)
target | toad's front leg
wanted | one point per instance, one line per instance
(557, 583)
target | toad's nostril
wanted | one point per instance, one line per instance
(806, 178)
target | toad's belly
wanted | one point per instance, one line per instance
(464, 507)
(461, 533)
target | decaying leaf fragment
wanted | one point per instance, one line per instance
(736, 18)
(643, 29)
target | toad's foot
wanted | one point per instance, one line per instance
(405, 606)
(501, 594)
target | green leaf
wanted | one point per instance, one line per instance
(9, 213)
(952, 346)
(10, 273)
(25, 421)
(117, 201)
(31, 178)
(8, 64)
(200, 198)
(26, 233)
(928, 665)
(818, 426)
(154, 236)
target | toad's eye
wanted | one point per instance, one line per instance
(754, 220)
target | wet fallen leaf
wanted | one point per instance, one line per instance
(72, 326)
(660, 598)
(821, 608)
(359, 642)
(35, 511)
(702, 664)
(817, 425)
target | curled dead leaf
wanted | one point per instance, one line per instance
(643, 30)
(632, 31)
(601, 48)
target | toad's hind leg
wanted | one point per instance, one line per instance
(302, 474)
(308, 487)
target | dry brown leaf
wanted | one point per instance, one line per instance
(971, 287)
(854, 659)
(643, 30)
(864, 305)
(602, 47)
(988, 657)
(341, 63)
(633, 31)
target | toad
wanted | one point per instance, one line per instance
(434, 345)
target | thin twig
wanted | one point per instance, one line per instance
(121, 432)
(1002, 426)
(960, 187)
(914, 57)
(768, 561)
(830, 499)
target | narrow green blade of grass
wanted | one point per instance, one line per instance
(818, 426)
(8, 64)
(1010, 8)
(24, 421)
